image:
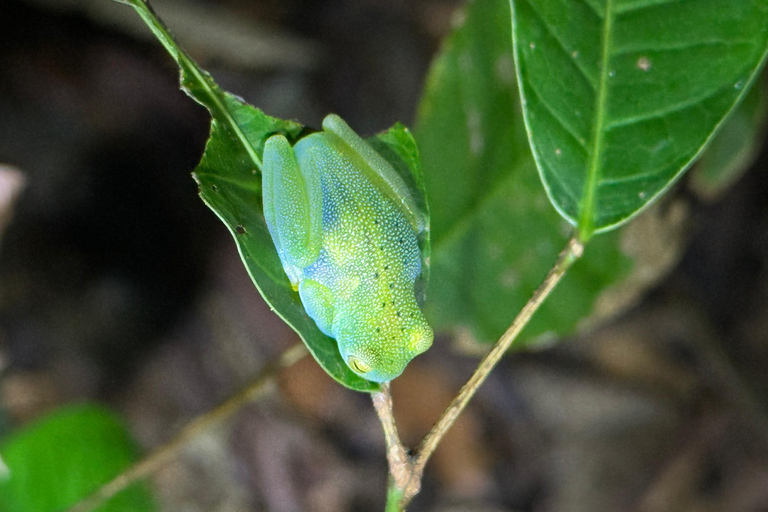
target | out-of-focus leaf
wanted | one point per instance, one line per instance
(230, 184)
(736, 145)
(620, 96)
(58, 460)
(494, 233)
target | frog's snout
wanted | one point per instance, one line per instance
(420, 339)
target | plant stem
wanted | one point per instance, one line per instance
(566, 258)
(414, 466)
(400, 464)
(171, 450)
(394, 497)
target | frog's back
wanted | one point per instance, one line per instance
(366, 238)
(360, 288)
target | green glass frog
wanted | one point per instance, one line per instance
(345, 226)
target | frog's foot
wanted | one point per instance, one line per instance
(318, 302)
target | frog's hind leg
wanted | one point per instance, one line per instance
(376, 168)
(318, 302)
(292, 206)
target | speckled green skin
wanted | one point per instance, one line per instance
(345, 228)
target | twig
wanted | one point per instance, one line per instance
(383, 402)
(567, 257)
(394, 497)
(170, 450)
(400, 463)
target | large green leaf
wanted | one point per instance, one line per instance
(494, 233)
(621, 95)
(230, 184)
(58, 460)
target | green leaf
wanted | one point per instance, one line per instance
(230, 184)
(58, 460)
(494, 233)
(736, 145)
(621, 95)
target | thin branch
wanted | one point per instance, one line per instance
(171, 450)
(566, 258)
(415, 465)
(399, 461)
(394, 497)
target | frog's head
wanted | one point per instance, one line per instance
(379, 352)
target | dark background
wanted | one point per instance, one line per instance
(118, 285)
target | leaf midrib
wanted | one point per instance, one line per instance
(586, 219)
(191, 68)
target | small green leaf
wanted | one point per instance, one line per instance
(230, 184)
(736, 145)
(622, 95)
(58, 460)
(494, 233)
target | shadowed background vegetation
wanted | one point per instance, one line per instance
(118, 285)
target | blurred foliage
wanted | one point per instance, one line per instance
(58, 460)
(735, 146)
(494, 233)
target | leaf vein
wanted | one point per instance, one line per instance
(564, 186)
(251, 186)
(594, 9)
(670, 109)
(586, 220)
(629, 7)
(573, 132)
(627, 179)
(682, 45)
(578, 64)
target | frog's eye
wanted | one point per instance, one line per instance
(357, 365)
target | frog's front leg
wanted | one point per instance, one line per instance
(318, 302)
(293, 207)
